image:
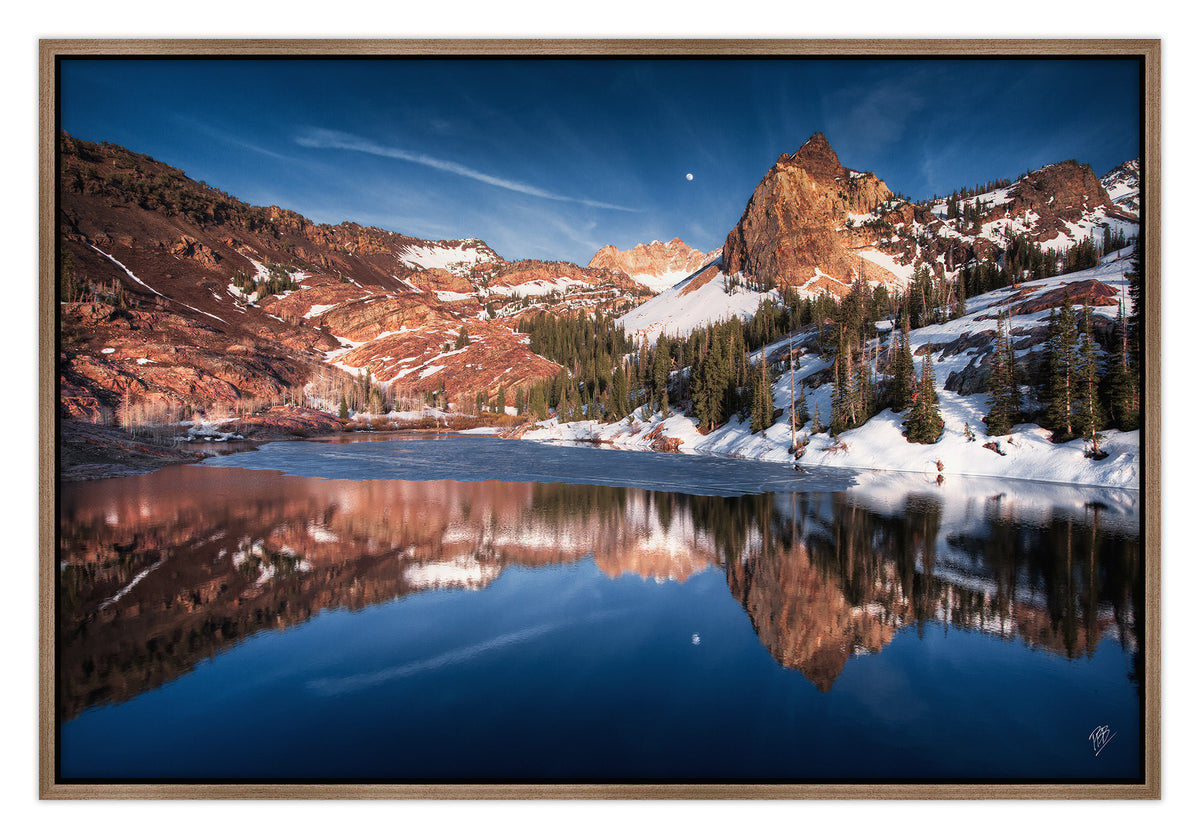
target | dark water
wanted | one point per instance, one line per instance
(443, 609)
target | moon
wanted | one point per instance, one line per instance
(689, 176)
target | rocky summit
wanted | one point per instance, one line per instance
(798, 224)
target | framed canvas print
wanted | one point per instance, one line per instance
(595, 419)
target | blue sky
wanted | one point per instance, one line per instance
(553, 158)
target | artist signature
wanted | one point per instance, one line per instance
(1100, 737)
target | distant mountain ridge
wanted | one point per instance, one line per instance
(657, 265)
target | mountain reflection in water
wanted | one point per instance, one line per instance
(160, 572)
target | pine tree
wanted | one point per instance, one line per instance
(1136, 337)
(802, 414)
(1121, 385)
(1060, 386)
(841, 408)
(537, 401)
(901, 374)
(661, 372)
(792, 393)
(1087, 407)
(924, 422)
(922, 297)
(1014, 370)
(864, 390)
(1002, 409)
(562, 389)
(699, 387)
(619, 392)
(715, 383)
(569, 409)
(960, 297)
(763, 405)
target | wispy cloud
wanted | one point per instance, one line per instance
(874, 116)
(326, 139)
(232, 139)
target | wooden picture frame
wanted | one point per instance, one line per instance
(1147, 51)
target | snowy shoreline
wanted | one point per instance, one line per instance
(877, 446)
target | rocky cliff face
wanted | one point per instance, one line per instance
(816, 226)
(1054, 197)
(794, 228)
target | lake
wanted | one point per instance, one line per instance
(469, 608)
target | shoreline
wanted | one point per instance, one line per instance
(878, 445)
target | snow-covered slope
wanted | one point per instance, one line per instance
(457, 257)
(697, 300)
(661, 282)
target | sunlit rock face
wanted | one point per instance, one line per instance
(792, 229)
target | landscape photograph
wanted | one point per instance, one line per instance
(695, 422)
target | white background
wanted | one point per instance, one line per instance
(1173, 22)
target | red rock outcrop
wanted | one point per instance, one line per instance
(189, 248)
(284, 421)
(364, 319)
(424, 359)
(529, 271)
(1057, 194)
(793, 226)
(1081, 293)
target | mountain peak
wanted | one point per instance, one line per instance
(817, 157)
(816, 144)
(794, 228)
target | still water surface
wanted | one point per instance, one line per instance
(474, 608)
